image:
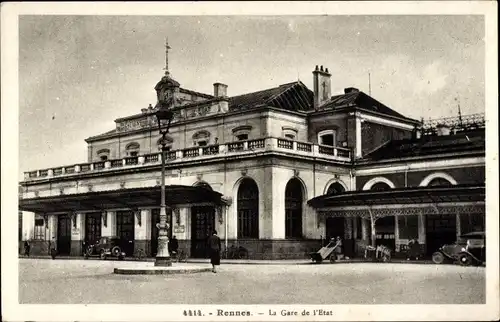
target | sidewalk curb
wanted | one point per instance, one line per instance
(248, 262)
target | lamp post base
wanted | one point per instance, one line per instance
(163, 261)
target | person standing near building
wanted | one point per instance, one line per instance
(338, 248)
(174, 246)
(214, 247)
(27, 248)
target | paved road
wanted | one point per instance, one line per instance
(92, 282)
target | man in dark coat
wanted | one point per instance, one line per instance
(174, 246)
(214, 247)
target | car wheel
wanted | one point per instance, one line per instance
(116, 251)
(438, 258)
(465, 259)
(102, 254)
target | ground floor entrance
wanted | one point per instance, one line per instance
(63, 235)
(202, 225)
(440, 229)
(92, 228)
(125, 231)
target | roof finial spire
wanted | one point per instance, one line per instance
(167, 47)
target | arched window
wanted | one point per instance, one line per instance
(241, 133)
(293, 209)
(248, 209)
(327, 137)
(132, 149)
(289, 132)
(335, 188)
(103, 154)
(201, 138)
(439, 182)
(380, 186)
(168, 146)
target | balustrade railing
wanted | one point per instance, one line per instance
(69, 170)
(235, 146)
(99, 165)
(270, 143)
(304, 147)
(190, 153)
(151, 158)
(326, 150)
(211, 150)
(57, 171)
(131, 161)
(256, 144)
(285, 144)
(116, 163)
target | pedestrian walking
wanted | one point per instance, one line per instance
(27, 248)
(214, 248)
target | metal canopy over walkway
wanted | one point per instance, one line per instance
(122, 198)
(401, 201)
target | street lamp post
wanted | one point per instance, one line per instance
(162, 256)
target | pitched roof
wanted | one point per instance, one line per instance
(291, 96)
(101, 135)
(361, 100)
(429, 145)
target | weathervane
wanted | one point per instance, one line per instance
(167, 47)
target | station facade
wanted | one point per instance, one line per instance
(249, 166)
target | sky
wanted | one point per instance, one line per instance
(77, 74)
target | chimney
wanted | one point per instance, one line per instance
(322, 86)
(220, 90)
(443, 129)
(351, 90)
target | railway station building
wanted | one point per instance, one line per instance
(277, 171)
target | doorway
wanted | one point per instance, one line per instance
(125, 231)
(440, 230)
(384, 229)
(63, 235)
(92, 228)
(202, 225)
(334, 228)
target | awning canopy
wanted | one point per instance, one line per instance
(402, 196)
(123, 198)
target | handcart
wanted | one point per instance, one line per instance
(325, 252)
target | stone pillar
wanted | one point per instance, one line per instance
(28, 225)
(276, 199)
(77, 233)
(142, 219)
(364, 229)
(348, 228)
(232, 217)
(396, 233)
(358, 138)
(459, 224)
(421, 231)
(109, 224)
(355, 228)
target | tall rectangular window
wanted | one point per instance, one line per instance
(39, 231)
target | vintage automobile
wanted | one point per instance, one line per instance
(105, 247)
(469, 249)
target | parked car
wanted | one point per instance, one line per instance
(469, 249)
(105, 247)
